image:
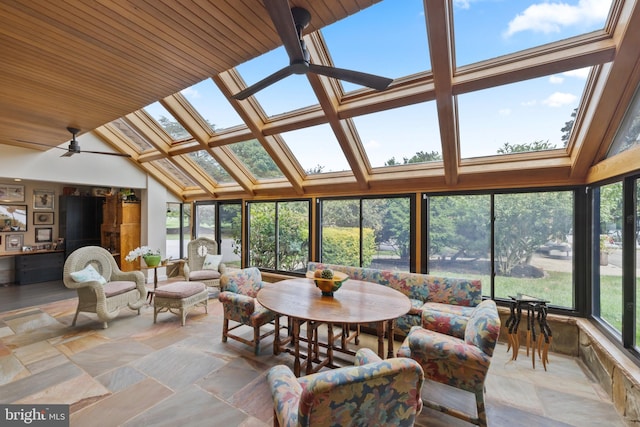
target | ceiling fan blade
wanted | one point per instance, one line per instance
(106, 153)
(269, 80)
(68, 153)
(280, 13)
(356, 77)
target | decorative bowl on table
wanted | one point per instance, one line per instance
(328, 285)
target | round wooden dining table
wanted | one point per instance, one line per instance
(356, 302)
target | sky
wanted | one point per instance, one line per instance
(389, 39)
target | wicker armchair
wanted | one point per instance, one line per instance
(197, 251)
(102, 287)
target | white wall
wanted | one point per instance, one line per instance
(47, 170)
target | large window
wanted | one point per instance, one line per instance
(533, 246)
(608, 252)
(459, 243)
(279, 235)
(367, 232)
(532, 250)
(178, 229)
(222, 222)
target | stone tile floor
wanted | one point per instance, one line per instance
(137, 373)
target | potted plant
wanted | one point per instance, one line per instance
(151, 257)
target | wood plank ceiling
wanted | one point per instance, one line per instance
(87, 64)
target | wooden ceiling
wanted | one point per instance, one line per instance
(86, 64)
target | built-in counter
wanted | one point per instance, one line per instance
(22, 268)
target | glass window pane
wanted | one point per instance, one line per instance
(532, 115)
(211, 166)
(167, 121)
(459, 230)
(206, 220)
(173, 224)
(256, 159)
(487, 29)
(231, 233)
(293, 236)
(389, 218)
(340, 238)
(534, 246)
(403, 41)
(186, 224)
(316, 149)
(262, 236)
(628, 136)
(413, 138)
(212, 106)
(610, 254)
(289, 94)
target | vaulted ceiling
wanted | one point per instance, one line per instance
(96, 65)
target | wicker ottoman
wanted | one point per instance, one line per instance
(179, 297)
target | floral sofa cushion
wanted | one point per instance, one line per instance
(426, 292)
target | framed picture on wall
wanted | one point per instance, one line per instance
(43, 218)
(13, 217)
(44, 234)
(43, 199)
(13, 242)
(11, 193)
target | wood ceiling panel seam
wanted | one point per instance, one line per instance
(144, 49)
(170, 39)
(60, 50)
(194, 21)
(255, 38)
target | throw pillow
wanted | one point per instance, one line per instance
(211, 262)
(88, 274)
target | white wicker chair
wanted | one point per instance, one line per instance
(197, 250)
(122, 289)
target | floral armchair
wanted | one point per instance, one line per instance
(238, 292)
(203, 262)
(457, 353)
(102, 288)
(373, 392)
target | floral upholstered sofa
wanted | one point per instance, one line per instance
(440, 298)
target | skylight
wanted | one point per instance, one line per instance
(488, 29)
(317, 149)
(530, 114)
(167, 121)
(214, 108)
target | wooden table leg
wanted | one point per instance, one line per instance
(296, 347)
(390, 332)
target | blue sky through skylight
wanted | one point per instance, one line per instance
(389, 39)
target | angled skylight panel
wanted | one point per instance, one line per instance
(401, 135)
(213, 107)
(488, 29)
(289, 94)
(255, 158)
(531, 115)
(127, 130)
(316, 149)
(211, 166)
(628, 135)
(387, 39)
(175, 173)
(167, 122)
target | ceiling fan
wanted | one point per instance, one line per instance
(74, 147)
(289, 24)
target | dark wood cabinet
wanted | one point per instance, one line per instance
(38, 267)
(80, 221)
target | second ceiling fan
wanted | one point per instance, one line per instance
(289, 24)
